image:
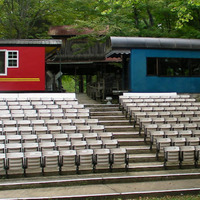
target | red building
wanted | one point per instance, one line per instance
(22, 63)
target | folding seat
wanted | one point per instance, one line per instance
(172, 156)
(26, 107)
(32, 162)
(54, 129)
(52, 106)
(31, 115)
(71, 110)
(40, 130)
(158, 120)
(13, 138)
(149, 127)
(161, 143)
(196, 133)
(195, 120)
(170, 109)
(187, 155)
(75, 137)
(192, 141)
(9, 123)
(182, 108)
(46, 146)
(57, 115)
(152, 104)
(44, 116)
(84, 128)
(60, 102)
(105, 135)
(171, 134)
(2, 164)
(136, 116)
(17, 111)
(191, 100)
(25, 130)
(47, 102)
(56, 110)
(195, 104)
(84, 159)
(22, 123)
(171, 120)
(24, 102)
(197, 113)
(185, 133)
(79, 106)
(2, 148)
(69, 115)
(35, 103)
(18, 116)
(119, 158)
(10, 130)
(77, 144)
(165, 104)
(192, 108)
(97, 128)
(50, 161)
(197, 155)
(38, 122)
(65, 122)
(2, 139)
(4, 107)
(14, 107)
(13, 147)
(178, 141)
(63, 145)
(14, 163)
(95, 144)
(68, 160)
(65, 106)
(191, 126)
(5, 115)
(83, 115)
(183, 120)
(164, 127)
(92, 121)
(188, 113)
(30, 147)
(45, 137)
(52, 122)
(60, 137)
(147, 109)
(68, 129)
(164, 114)
(177, 127)
(78, 122)
(153, 135)
(101, 159)
(176, 114)
(90, 136)
(110, 144)
(143, 122)
(29, 138)
(175, 104)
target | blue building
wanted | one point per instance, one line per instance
(158, 64)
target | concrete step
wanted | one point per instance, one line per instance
(114, 122)
(144, 157)
(132, 134)
(116, 117)
(101, 105)
(146, 166)
(103, 109)
(107, 113)
(119, 128)
(132, 142)
(138, 149)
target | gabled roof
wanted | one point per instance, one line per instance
(30, 42)
(123, 45)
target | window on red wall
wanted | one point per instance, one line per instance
(8, 59)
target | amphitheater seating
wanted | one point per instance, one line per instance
(47, 133)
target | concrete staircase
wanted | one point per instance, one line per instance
(140, 155)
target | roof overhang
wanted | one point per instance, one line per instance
(123, 45)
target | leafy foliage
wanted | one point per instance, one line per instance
(153, 18)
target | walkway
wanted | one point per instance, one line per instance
(84, 99)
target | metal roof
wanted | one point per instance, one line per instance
(30, 42)
(121, 45)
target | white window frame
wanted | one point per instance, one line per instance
(7, 59)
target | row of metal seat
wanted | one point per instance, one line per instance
(47, 122)
(61, 161)
(56, 129)
(183, 155)
(55, 137)
(47, 143)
